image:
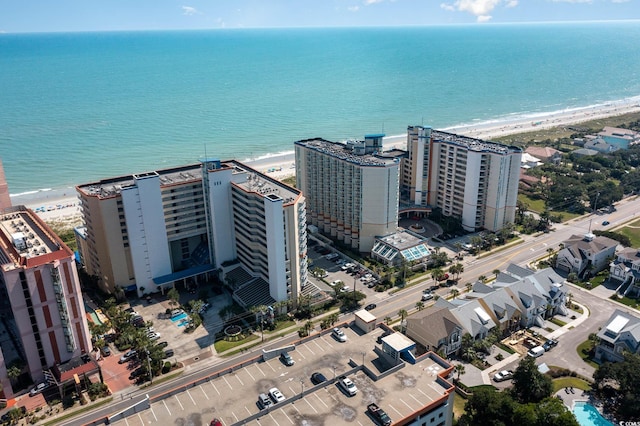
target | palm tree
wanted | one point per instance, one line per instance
(459, 369)
(456, 269)
(469, 286)
(13, 373)
(174, 296)
(308, 326)
(402, 314)
(455, 292)
(496, 272)
(482, 278)
(419, 305)
(437, 274)
(387, 320)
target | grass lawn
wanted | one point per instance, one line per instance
(534, 205)
(570, 382)
(632, 230)
(223, 345)
(558, 322)
(584, 351)
(626, 301)
(458, 405)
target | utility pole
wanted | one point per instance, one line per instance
(595, 205)
(149, 366)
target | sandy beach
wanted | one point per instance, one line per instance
(61, 206)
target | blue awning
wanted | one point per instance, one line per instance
(186, 273)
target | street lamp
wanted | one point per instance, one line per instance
(149, 366)
(302, 384)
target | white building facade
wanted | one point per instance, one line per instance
(352, 192)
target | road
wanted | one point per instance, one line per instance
(530, 249)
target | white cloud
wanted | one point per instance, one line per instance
(481, 9)
(572, 1)
(370, 2)
(353, 8)
(511, 3)
(448, 7)
(484, 18)
(190, 11)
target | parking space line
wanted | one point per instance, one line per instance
(189, 393)
(394, 409)
(153, 412)
(273, 418)
(140, 417)
(408, 406)
(247, 408)
(260, 370)
(238, 377)
(227, 382)
(312, 407)
(179, 402)
(205, 394)
(126, 421)
(165, 406)
(296, 408)
(215, 388)
(249, 373)
(320, 399)
(234, 415)
(269, 364)
(319, 347)
(300, 353)
(285, 414)
(416, 399)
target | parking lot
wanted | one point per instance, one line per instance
(234, 397)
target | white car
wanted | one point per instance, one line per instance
(153, 335)
(503, 375)
(348, 386)
(339, 335)
(345, 289)
(127, 356)
(39, 388)
(276, 395)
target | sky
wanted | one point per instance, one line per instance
(20, 16)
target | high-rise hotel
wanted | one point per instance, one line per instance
(43, 315)
(468, 178)
(148, 231)
(352, 189)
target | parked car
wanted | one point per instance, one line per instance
(215, 422)
(339, 335)
(536, 352)
(276, 395)
(347, 385)
(38, 388)
(549, 344)
(264, 401)
(168, 353)
(286, 359)
(444, 277)
(503, 375)
(605, 223)
(153, 335)
(162, 344)
(380, 416)
(105, 350)
(127, 356)
(427, 296)
(317, 378)
(345, 289)
(370, 306)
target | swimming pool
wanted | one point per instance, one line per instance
(178, 317)
(587, 415)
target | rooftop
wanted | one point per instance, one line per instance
(345, 152)
(473, 144)
(258, 183)
(26, 241)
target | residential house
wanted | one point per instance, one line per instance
(618, 137)
(600, 145)
(625, 268)
(436, 329)
(528, 161)
(586, 255)
(546, 154)
(620, 334)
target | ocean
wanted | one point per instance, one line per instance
(77, 107)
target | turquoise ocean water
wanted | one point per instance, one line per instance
(82, 106)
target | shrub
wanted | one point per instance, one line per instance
(166, 367)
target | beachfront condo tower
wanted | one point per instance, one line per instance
(148, 232)
(471, 179)
(43, 313)
(352, 189)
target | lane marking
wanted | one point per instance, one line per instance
(394, 409)
(238, 377)
(165, 406)
(153, 412)
(285, 414)
(260, 370)
(320, 399)
(319, 347)
(404, 402)
(179, 402)
(227, 382)
(189, 393)
(251, 375)
(205, 394)
(140, 417)
(269, 364)
(215, 388)
(312, 407)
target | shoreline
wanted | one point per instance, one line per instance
(61, 205)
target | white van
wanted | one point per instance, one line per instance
(536, 352)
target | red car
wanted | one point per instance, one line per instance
(215, 422)
(444, 277)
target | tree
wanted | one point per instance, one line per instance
(174, 296)
(419, 305)
(402, 314)
(437, 274)
(13, 372)
(459, 369)
(387, 320)
(455, 292)
(457, 269)
(529, 385)
(487, 407)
